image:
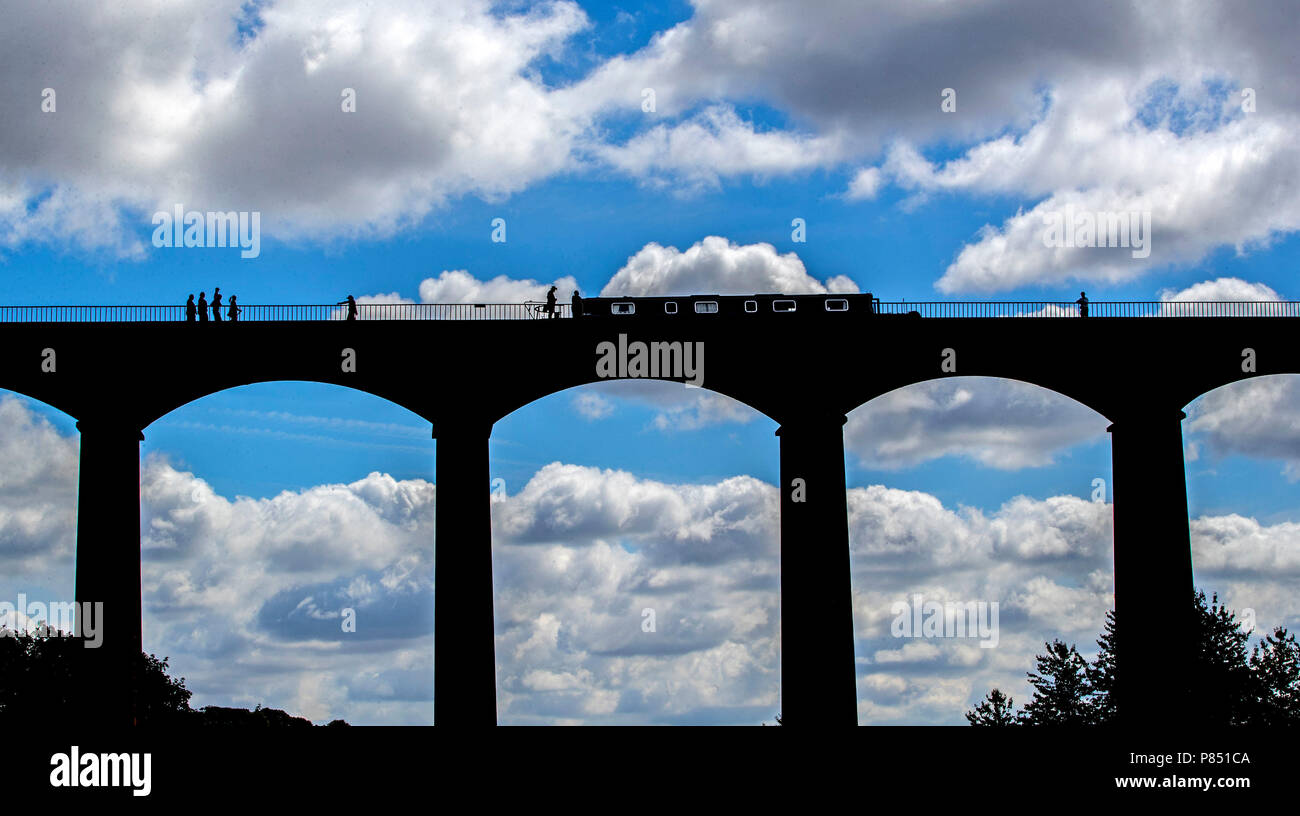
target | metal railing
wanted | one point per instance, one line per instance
(535, 311)
(283, 312)
(1099, 308)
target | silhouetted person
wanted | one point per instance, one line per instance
(1083, 304)
(234, 310)
(352, 307)
(203, 307)
(550, 303)
(577, 304)
(216, 304)
(190, 310)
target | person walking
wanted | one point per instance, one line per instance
(190, 309)
(1083, 304)
(550, 303)
(216, 304)
(203, 307)
(234, 310)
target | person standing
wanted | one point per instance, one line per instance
(1083, 304)
(190, 310)
(550, 303)
(216, 304)
(203, 307)
(577, 304)
(352, 307)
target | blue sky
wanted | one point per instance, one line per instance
(619, 496)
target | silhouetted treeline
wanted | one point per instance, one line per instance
(1227, 686)
(44, 677)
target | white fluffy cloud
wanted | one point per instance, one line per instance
(458, 286)
(159, 106)
(1091, 153)
(717, 266)
(1222, 289)
(716, 143)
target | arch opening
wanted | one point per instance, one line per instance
(287, 547)
(980, 527)
(637, 558)
(1242, 458)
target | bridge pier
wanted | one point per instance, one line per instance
(108, 565)
(464, 648)
(818, 668)
(1153, 569)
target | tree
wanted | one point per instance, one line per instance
(996, 710)
(1101, 674)
(1275, 664)
(160, 698)
(1062, 694)
(1221, 689)
(1224, 687)
(44, 675)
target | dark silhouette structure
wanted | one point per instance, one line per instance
(116, 378)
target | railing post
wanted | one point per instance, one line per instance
(464, 672)
(108, 566)
(818, 674)
(1153, 569)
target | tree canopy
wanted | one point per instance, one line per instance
(1228, 686)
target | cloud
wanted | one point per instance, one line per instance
(865, 184)
(592, 406)
(458, 286)
(1091, 153)
(717, 266)
(446, 105)
(1258, 418)
(676, 407)
(999, 423)
(698, 152)
(38, 472)
(1222, 289)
